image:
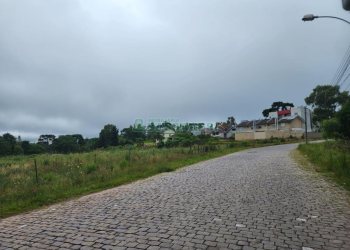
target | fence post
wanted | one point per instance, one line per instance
(36, 172)
(129, 153)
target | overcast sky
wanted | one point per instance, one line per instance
(72, 66)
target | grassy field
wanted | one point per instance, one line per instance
(331, 158)
(62, 176)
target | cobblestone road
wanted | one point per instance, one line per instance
(255, 199)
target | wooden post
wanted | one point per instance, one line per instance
(36, 172)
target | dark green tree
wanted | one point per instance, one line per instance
(331, 128)
(25, 146)
(32, 148)
(325, 100)
(108, 136)
(134, 134)
(65, 144)
(231, 120)
(90, 144)
(5, 147)
(7, 144)
(79, 139)
(338, 126)
(277, 106)
(343, 117)
(153, 132)
(167, 125)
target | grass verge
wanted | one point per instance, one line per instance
(331, 159)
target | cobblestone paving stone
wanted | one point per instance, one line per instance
(254, 199)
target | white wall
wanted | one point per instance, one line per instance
(301, 112)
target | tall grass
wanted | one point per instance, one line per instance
(331, 158)
(63, 176)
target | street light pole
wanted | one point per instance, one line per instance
(305, 118)
(311, 17)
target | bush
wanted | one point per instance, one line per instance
(244, 143)
(124, 164)
(163, 169)
(331, 128)
(90, 168)
(343, 116)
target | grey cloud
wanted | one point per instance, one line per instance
(70, 66)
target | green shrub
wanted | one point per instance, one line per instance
(50, 177)
(46, 162)
(164, 168)
(124, 164)
(90, 168)
(330, 128)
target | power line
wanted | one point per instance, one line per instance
(341, 65)
(345, 78)
(344, 71)
(348, 86)
(342, 68)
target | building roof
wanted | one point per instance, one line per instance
(168, 131)
(245, 124)
(269, 121)
(260, 122)
(288, 119)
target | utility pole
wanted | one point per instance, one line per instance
(305, 118)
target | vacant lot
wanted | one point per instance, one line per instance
(60, 176)
(56, 176)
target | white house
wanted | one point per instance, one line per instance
(167, 133)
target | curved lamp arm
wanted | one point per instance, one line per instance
(311, 17)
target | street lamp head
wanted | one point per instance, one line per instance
(309, 17)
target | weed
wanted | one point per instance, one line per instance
(331, 158)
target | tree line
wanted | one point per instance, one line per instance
(108, 136)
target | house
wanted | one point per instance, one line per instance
(301, 111)
(281, 124)
(292, 123)
(167, 133)
(46, 139)
(257, 125)
(196, 132)
(224, 130)
(207, 131)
